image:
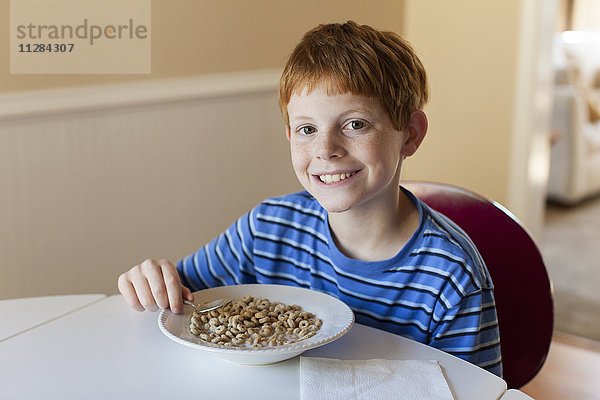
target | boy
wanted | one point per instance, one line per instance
(351, 97)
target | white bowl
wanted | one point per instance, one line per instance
(336, 316)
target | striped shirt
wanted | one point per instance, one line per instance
(436, 290)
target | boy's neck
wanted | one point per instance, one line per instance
(375, 235)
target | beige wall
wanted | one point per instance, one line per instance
(97, 180)
(469, 49)
(113, 175)
(490, 74)
(201, 36)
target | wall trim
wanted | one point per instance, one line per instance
(85, 98)
(530, 144)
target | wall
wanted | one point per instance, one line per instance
(108, 176)
(471, 61)
(488, 63)
(98, 172)
(95, 178)
(203, 37)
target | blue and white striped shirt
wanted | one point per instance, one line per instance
(436, 290)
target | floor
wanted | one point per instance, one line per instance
(571, 371)
(571, 250)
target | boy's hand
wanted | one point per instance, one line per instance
(154, 284)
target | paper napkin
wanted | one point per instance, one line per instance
(331, 379)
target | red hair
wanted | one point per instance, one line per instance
(361, 60)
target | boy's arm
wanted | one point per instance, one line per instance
(227, 260)
(469, 330)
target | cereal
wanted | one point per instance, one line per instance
(254, 322)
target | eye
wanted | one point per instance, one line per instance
(356, 125)
(306, 130)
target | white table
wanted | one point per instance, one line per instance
(105, 350)
(514, 394)
(19, 315)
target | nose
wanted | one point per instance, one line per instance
(330, 145)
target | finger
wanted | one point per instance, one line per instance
(128, 291)
(144, 293)
(187, 294)
(156, 282)
(172, 285)
(138, 277)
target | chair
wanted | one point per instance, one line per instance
(523, 290)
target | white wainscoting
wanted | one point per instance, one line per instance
(94, 180)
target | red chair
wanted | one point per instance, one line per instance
(523, 290)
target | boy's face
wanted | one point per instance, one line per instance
(345, 150)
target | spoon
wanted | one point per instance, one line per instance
(209, 305)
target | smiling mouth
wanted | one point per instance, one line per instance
(335, 177)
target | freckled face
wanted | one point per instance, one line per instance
(345, 150)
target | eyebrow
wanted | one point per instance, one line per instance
(299, 116)
(358, 110)
(293, 119)
(354, 110)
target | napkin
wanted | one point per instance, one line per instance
(331, 379)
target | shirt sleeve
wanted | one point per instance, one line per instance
(227, 260)
(469, 329)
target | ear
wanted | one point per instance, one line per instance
(415, 132)
(287, 132)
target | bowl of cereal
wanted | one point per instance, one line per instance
(263, 324)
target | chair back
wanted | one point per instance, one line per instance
(522, 287)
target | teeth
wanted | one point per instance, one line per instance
(335, 177)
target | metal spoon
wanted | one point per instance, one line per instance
(209, 305)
